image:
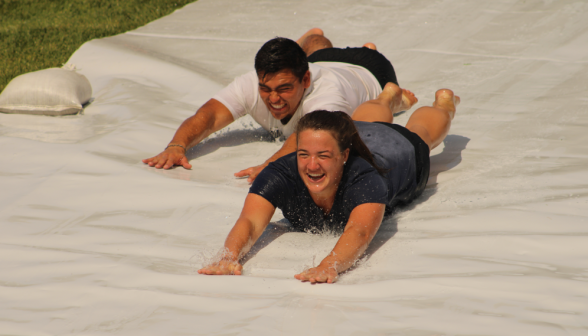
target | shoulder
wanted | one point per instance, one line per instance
(362, 183)
(246, 81)
(315, 71)
(249, 78)
(357, 168)
(325, 92)
(277, 181)
(240, 96)
(286, 165)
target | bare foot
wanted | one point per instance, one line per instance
(398, 99)
(445, 99)
(313, 31)
(370, 45)
(408, 100)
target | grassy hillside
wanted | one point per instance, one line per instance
(38, 34)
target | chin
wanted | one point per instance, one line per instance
(280, 115)
(315, 188)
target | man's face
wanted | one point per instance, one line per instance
(282, 92)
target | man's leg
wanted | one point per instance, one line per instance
(370, 45)
(392, 100)
(432, 123)
(314, 40)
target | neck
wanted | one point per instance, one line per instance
(325, 202)
(286, 119)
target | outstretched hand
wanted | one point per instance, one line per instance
(318, 274)
(223, 267)
(172, 156)
(251, 172)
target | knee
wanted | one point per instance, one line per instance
(423, 133)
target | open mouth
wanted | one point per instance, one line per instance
(278, 107)
(315, 177)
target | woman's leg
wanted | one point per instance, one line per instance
(432, 123)
(392, 100)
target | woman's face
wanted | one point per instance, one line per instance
(320, 162)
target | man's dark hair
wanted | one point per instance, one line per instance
(279, 54)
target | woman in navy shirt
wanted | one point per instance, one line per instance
(347, 173)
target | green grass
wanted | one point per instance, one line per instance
(39, 34)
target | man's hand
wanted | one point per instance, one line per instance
(319, 274)
(223, 267)
(288, 147)
(209, 118)
(252, 172)
(168, 158)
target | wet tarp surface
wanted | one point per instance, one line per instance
(96, 243)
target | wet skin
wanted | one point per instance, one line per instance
(320, 165)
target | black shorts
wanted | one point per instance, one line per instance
(372, 60)
(421, 154)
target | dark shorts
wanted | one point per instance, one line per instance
(372, 60)
(421, 151)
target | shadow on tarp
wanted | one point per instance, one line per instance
(449, 158)
(272, 232)
(229, 139)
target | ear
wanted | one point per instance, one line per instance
(346, 155)
(306, 79)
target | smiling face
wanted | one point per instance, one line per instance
(320, 164)
(282, 92)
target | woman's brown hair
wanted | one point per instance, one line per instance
(343, 130)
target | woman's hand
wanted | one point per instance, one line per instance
(318, 274)
(223, 267)
(254, 218)
(363, 224)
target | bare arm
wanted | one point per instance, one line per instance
(361, 228)
(255, 216)
(288, 147)
(209, 118)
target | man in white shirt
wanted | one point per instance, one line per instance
(284, 87)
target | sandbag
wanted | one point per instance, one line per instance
(53, 91)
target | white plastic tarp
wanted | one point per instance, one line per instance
(96, 243)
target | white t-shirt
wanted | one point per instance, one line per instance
(334, 86)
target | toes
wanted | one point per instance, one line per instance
(370, 45)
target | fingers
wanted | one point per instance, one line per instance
(184, 162)
(222, 268)
(251, 173)
(167, 165)
(169, 158)
(244, 172)
(254, 174)
(316, 275)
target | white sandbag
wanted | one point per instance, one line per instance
(53, 91)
